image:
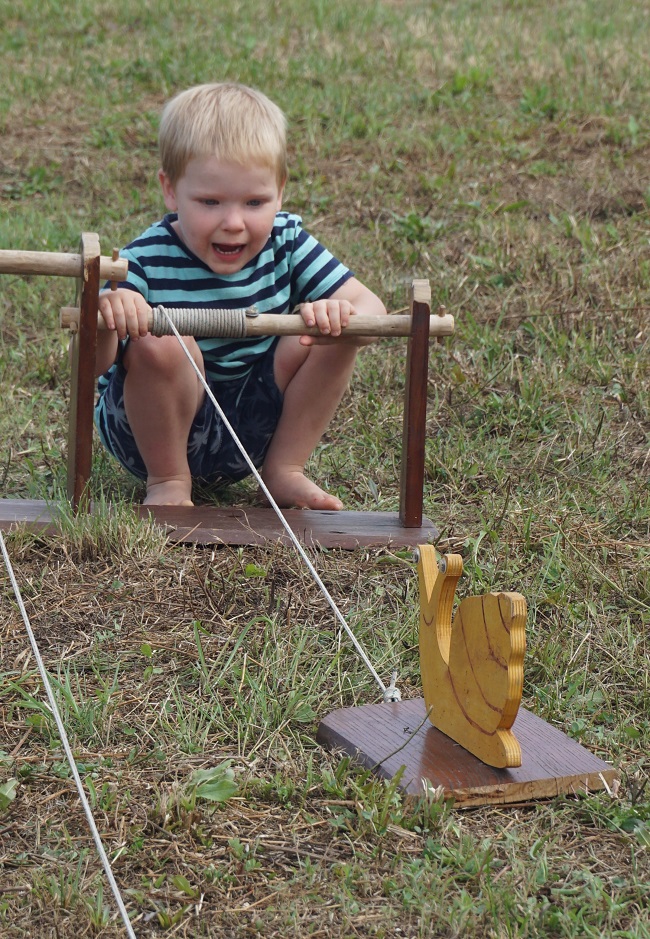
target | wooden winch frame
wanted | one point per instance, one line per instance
(207, 524)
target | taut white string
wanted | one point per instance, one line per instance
(66, 745)
(391, 693)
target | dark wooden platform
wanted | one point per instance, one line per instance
(248, 526)
(552, 763)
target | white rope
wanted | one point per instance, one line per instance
(66, 746)
(228, 324)
(391, 693)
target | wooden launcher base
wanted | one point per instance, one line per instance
(552, 763)
(207, 524)
(468, 736)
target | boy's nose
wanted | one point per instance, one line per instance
(233, 219)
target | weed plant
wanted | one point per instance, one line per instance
(500, 150)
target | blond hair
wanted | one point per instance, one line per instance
(234, 123)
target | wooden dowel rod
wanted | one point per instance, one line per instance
(56, 264)
(291, 324)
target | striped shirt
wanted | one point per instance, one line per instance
(292, 268)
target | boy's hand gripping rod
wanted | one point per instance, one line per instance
(242, 324)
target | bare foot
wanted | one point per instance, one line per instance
(292, 489)
(174, 491)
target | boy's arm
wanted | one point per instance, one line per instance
(333, 314)
(125, 313)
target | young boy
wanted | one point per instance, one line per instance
(225, 244)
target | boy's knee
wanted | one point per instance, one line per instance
(162, 354)
(334, 356)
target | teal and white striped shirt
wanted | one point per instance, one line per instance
(292, 268)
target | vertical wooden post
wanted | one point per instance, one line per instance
(415, 407)
(82, 385)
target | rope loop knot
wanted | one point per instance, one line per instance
(392, 693)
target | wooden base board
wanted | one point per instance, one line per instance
(207, 524)
(552, 763)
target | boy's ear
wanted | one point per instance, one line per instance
(168, 191)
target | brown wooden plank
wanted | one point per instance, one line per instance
(415, 407)
(256, 525)
(34, 513)
(248, 526)
(82, 379)
(552, 763)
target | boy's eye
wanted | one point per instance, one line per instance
(210, 201)
(255, 202)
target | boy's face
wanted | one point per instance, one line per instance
(225, 211)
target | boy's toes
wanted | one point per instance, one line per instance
(294, 490)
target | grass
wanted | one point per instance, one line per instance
(501, 151)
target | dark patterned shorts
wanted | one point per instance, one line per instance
(252, 404)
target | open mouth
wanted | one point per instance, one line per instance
(228, 251)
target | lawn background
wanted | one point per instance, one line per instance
(500, 150)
